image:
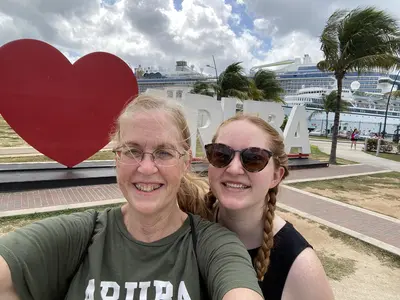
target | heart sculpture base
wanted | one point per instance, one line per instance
(34, 176)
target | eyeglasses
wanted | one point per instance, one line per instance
(253, 159)
(162, 157)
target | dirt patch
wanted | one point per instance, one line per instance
(376, 193)
(356, 270)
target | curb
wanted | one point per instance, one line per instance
(30, 211)
(355, 234)
(335, 176)
(349, 206)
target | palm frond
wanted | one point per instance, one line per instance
(329, 37)
(379, 61)
(236, 94)
(324, 66)
(235, 68)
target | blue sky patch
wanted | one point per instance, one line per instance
(178, 4)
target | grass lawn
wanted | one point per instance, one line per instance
(8, 137)
(391, 156)
(322, 156)
(377, 192)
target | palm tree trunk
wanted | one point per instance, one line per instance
(326, 125)
(332, 158)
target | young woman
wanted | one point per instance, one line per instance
(354, 138)
(150, 248)
(247, 163)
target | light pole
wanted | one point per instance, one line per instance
(387, 105)
(216, 76)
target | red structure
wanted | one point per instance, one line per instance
(65, 111)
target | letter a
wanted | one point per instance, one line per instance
(182, 292)
(106, 286)
(89, 293)
(296, 131)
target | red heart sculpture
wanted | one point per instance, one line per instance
(65, 111)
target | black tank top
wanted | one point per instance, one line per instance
(288, 244)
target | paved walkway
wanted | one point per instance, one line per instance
(371, 227)
(344, 151)
(380, 230)
(332, 172)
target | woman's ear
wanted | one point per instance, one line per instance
(278, 175)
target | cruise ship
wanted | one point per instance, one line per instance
(157, 78)
(304, 84)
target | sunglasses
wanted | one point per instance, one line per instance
(253, 159)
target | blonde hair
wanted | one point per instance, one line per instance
(193, 188)
(261, 261)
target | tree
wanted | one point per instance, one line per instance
(269, 88)
(358, 40)
(284, 123)
(395, 94)
(233, 82)
(329, 105)
(202, 88)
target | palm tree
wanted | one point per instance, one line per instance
(270, 89)
(329, 105)
(395, 94)
(233, 82)
(202, 88)
(357, 40)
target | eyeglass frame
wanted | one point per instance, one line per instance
(153, 159)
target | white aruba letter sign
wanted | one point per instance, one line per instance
(296, 130)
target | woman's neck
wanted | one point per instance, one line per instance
(154, 227)
(247, 224)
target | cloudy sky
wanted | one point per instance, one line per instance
(159, 32)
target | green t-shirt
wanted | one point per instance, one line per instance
(44, 258)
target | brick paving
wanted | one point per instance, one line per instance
(332, 171)
(373, 226)
(58, 196)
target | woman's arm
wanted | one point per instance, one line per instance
(242, 293)
(38, 261)
(306, 279)
(7, 291)
(225, 264)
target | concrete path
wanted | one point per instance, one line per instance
(374, 228)
(344, 151)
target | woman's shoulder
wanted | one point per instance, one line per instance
(213, 233)
(294, 255)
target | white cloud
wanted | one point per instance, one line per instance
(292, 45)
(265, 27)
(153, 33)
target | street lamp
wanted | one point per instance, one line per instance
(216, 76)
(387, 105)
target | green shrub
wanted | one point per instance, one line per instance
(386, 146)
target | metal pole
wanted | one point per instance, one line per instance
(216, 76)
(378, 145)
(387, 105)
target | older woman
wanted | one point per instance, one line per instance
(151, 247)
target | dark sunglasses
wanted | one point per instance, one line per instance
(253, 159)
